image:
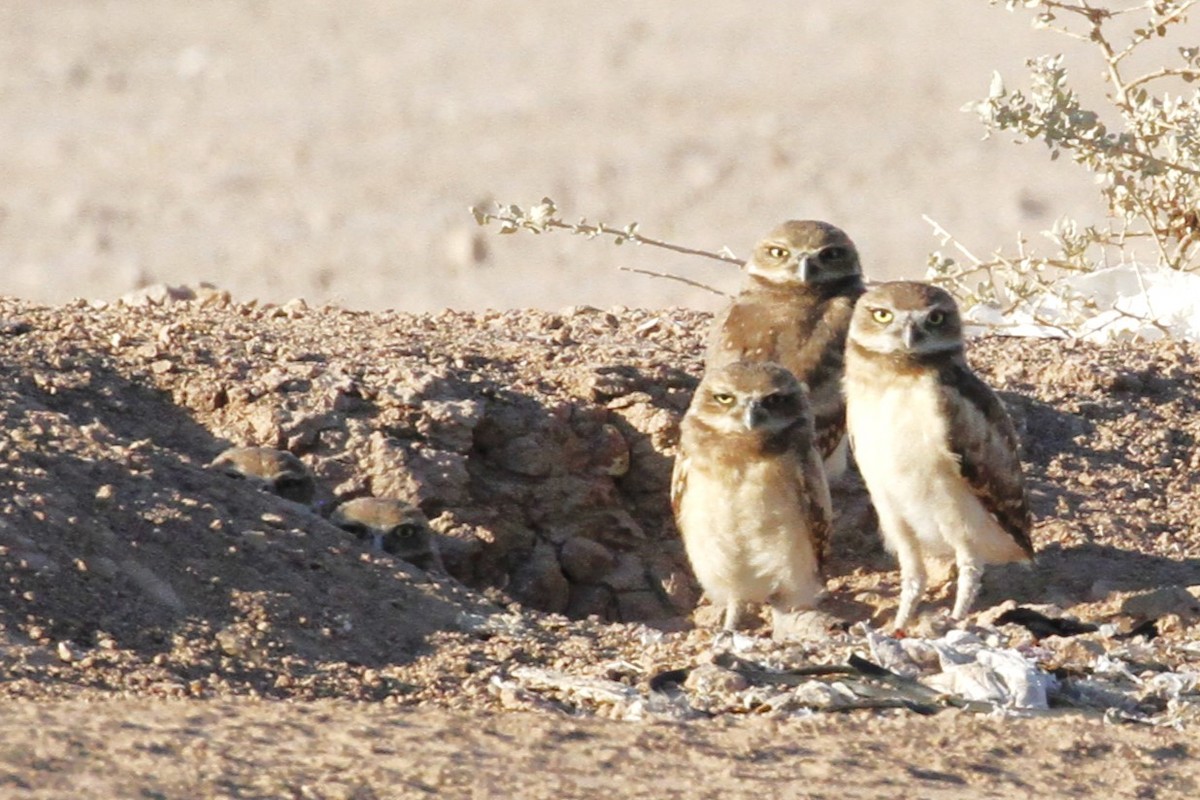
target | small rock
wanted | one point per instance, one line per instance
(579, 311)
(451, 423)
(212, 297)
(418, 474)
(610, 452)
(232, 643)
(586, 561)
(540, 582)
(815, 694)
(710, 616)
(588, 600)
(709, 679)
(804, 625)
(1160, 602)
(295, 308)
(640, 605)
(628, 575)
(526, 455)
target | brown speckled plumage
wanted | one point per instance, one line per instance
(276, 471)
(797, 317)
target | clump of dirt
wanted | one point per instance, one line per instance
(540, 446)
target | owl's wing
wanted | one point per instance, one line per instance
(830, 431)
(749, 328)
(679, 475)
(983, 438)
(820, 505)
(721, 348)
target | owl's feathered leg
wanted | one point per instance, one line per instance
(724, 638)
(912, 585)
(970, 575)
(899, 537)
(733, 615)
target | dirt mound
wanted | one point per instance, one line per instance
(540, 446)
(537, 443)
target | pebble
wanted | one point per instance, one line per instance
(66, 653)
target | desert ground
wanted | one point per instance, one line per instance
(172, 631)
(168, 631)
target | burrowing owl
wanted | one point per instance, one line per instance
(749, 491)
(276, 471)
(794, 309)
(392, 526)
(936, 448)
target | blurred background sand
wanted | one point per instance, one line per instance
(296, 148)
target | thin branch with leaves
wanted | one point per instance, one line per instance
(544, 217)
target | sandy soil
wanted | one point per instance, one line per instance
(176, 632)
(331, 749)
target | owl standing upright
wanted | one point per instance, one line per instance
(749, 491)
(935, 447)
(794, 309)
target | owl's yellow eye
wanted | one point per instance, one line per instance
(936, 318)
(882, 315)
(723, 399)
(777, 252)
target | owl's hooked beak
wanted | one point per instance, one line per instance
(756, 415)
(805, 268)
(912, 333)
(377, 542)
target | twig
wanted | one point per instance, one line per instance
(1163, 73)
(1123, 314)
(543, 217)
(948, 238)
(1145, 157)
(623, 235)
(1173, 17)
(679, 278)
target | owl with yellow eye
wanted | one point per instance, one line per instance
(794, 309)
(749, 492)
(935, 446)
